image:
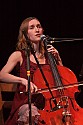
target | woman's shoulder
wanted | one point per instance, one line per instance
(16, 55)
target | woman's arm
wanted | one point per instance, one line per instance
(5, 75)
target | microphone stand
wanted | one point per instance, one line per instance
(28, 78)
(53, 40)
(29, 92)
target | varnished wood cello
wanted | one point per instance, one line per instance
(65, 111)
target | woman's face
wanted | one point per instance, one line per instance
(35, 30)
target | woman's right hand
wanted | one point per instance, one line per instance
(32, 85)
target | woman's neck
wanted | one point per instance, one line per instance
(36, 47)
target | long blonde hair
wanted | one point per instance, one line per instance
(22, 44)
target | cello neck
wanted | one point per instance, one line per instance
(53, 66)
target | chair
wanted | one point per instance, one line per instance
(6, 97)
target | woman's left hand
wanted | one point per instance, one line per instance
(55, 54)
(53, 50)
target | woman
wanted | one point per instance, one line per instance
(34, 30)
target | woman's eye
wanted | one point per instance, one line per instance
(39, 26)
(32, 27)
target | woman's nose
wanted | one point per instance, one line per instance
(36, 28)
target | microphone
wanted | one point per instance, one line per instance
(43, 37)
(47, 39)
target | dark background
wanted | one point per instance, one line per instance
(59, 18)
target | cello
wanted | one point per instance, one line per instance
(65, 111)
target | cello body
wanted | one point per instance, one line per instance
(67, 111)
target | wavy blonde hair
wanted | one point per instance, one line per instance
(22, 44)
